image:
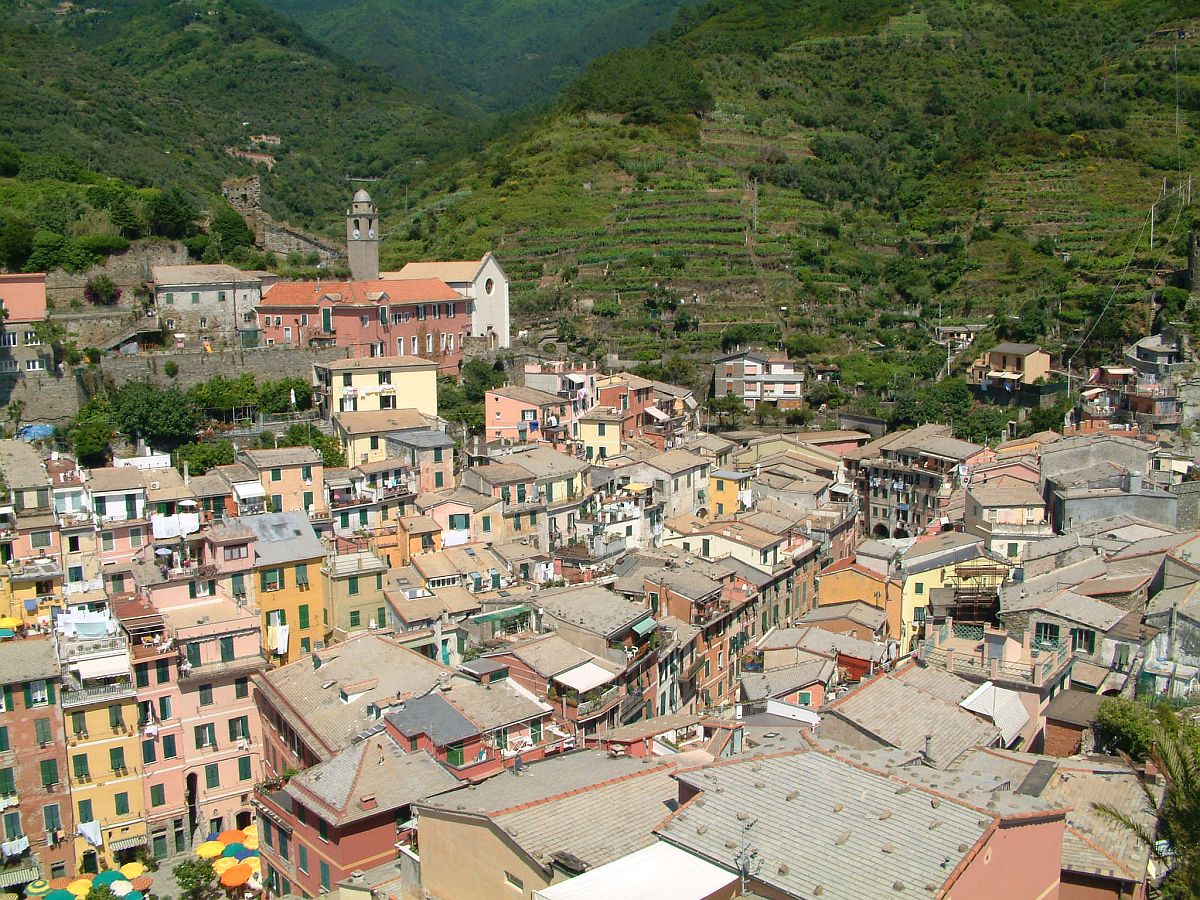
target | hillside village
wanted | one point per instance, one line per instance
(849, 662)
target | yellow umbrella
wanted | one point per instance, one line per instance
(250, 831)
(80, 888)
(132, 870)
(250, 843)
(224, 864)
(253, 863)
(210, 849)
(9, 622)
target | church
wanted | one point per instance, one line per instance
(426, 309)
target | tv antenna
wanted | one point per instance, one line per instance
(747, 859)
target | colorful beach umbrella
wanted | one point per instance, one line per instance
(250, 831)
(233, 849)
(231, 836)
(210, 849)
(121, 888)
(132, 870)
(237, 876)
(39, 888)
(9, 622)
(135, 895)
(80, 887)
(108, 876)
(224, 864)
(60, 894)
(142, 883)
(254, 863)
(60, 883)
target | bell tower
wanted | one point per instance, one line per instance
(362, 238)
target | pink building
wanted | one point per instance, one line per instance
(121, 510)
(527, 415)
(630, 396)
(420, 317)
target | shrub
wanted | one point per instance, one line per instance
(171, 368)
(101, 291)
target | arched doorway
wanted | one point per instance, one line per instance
(244, 818)
(900, 533)
(880, 531)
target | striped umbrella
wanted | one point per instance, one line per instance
(39, 888)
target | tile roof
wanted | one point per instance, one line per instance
(1067, 604)
(308, 294)
(823, 825)
(856, 611)
(1017, 349)
(379, 420)
(529, 395)
(369, 778)
(550, 655)
(282, 456)
(1074, 707)
(124, 478)
(675, 461)
(774, 682)
(324, 720)
(166, 276)
(818, 640)
(373, 363)
(1006, 491)
(456, 271)
(902, 715)
(22, 467)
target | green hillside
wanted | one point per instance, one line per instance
(481, 55)
(155, 93)
(844, 173)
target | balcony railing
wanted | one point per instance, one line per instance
(76, 694)
(597, 704)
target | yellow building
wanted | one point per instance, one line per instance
(104, 759)
(376, 383)
(363, 435)
(287, 584)
(29, 590)
(948, 560)
(847, 580)
(600, 434)
(725, 492)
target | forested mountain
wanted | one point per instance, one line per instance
(481, 55)
(155, 93)
(847, 172)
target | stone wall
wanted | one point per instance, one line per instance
(51, 399)
(1187, 515)
(245, 196)
(129, 271)
(279, 238)
(196, 366)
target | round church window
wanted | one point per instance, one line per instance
(489, 286)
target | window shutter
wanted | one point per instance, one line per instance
(28, 695)
(8, 697)
(192, 590)
(50, 695)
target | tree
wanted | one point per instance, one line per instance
(140, 408)
(91, 433)
(16, 408)
(478, 378)
(1174, 749)
(101, 291)
(728, 408)
(276, 396)
(203, 456)
(101, 892)
(1124, 726)
(195, 878)
(303, 434)
(171, 214)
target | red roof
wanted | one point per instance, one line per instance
(357, 293)
(23, 296)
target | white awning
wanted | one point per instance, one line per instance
(584, 677)
(1002, 706)
(657, 872)
(656, 413)
(103, 667)
(248, 490)
(1117, 370)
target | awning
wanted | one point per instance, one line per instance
(1002, 706)
(645, 626)
(103, 667)
(584, 677)
(248, 490)
(1117, 370)
(136, 840)
(658, 414)
(499, 614)
(9, 877)
(1013, 375)
(660, 870)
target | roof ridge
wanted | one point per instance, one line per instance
(1075, 831)
(663, 767)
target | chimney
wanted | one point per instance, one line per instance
(187, 475)
(1133, 482)
(928, 753)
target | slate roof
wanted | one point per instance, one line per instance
(1068, 604)
(379, 420)
(1074, 707)
(773, 682)
(433, 715)
(550, 655)
(27, 659)
(818, 640)
(570, 823)
(550, 777)
(317, 712)
(531, 396)
(902, 715)
(372, 769)
(283, 537)
(592, 607)
(811, 833)
(283, 456)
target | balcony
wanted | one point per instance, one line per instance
(228, 668)
(961, 649)
(82, 587)
(598, 704)
(77, 694)
(191, 572)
